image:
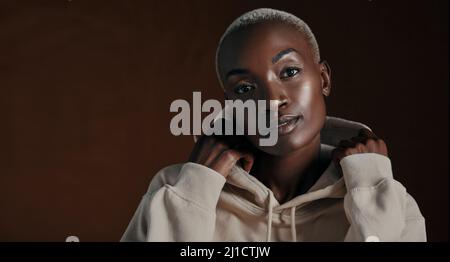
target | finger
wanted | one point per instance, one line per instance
(383, 147)
(377, 146)
(345, 144)
(367, 133)
(247, 160)
(358, 139)
(225, 161)
(361, 148)
(336, 156)
(242, 145)
(351, 151)
(202, 149)
(372, 145)
(215, 150)
(206, 148)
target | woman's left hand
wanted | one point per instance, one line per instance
(365, 142)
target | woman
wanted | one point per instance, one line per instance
(326, 179)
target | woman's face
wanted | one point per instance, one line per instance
(273, 61)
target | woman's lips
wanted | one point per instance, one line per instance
(287, 123)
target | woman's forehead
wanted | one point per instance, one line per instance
(261, 42)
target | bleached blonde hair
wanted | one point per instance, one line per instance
(266, 15)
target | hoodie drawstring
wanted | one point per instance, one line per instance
(269, 222)
(293, 229)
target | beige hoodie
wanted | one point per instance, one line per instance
(190, 202)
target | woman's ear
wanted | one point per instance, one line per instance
(325, 74)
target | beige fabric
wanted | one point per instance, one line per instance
(190, 202)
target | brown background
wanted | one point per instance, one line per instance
(86, 87)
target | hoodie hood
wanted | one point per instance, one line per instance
(192, 202)
(329, 185)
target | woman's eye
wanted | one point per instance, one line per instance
(242, 89)
(289, 72)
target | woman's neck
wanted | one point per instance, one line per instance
(290, 175)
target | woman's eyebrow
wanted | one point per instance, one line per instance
(282, 53)
(237, 71)
(276, 58)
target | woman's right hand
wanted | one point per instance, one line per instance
(221, 154)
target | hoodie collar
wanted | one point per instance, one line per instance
(329, 185)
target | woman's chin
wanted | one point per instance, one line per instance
(281, 148)
(287, 144)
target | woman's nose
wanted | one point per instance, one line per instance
(275, 93)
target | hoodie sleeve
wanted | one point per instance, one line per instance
(377, 206)
(182, 211)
